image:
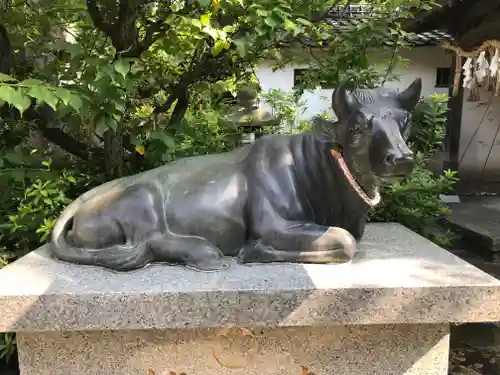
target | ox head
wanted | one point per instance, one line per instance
(372, 129)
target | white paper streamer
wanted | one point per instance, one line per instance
(482, 67)
(494, 63)
(467, 68)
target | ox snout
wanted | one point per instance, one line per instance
(399, 163)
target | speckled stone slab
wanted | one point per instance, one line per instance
(396, 277)
(342, 350)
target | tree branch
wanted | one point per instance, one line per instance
(42, 117)
(148, 40)
(5, 51)
(96, 16)
(123, 13)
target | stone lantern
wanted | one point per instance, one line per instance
(247, 117)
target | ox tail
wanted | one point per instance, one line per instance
(117, 257)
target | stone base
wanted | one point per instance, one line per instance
(399, 349)
(385, 313)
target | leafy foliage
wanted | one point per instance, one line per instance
(429, 124)
(287, 106)
(7, 346)
(119, 74)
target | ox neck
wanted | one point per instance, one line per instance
(363, 184)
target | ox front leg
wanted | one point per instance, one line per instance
(299, 242)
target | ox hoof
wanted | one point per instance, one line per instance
(207, 259)
(256, 253)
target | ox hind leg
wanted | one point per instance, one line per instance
(280, 240)
(132, 232)
(112, 229)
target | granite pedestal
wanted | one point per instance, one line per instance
(386, 313)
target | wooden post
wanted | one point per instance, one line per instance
(455, 105)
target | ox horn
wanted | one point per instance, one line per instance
(343, 103)
(409, 98)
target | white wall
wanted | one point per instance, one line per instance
(423, 62)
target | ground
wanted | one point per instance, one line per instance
(473, 352)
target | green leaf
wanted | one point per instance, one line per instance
(205, 19)
(63, 94)
(136, 67)
(122, 66)
(228, 28)
(18, 175)
(211, 31)
(262, 12)
(31, 82)
(101, 125)
(112, 123)
(74, 49)
(105, 72)
(140, 149)
(261, 31)
(219, 46)
(20, 101)
(75, 102)
(44, 94)
(6, 78)
(14, 158)
(37, 92)
(204, 3)
(273, 21)
(40, 93)
(6, 93)
(196, 23)
(165, 138)
(120, 105)
(291, 26)
(241, 46)
(303, 21)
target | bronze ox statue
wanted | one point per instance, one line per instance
(284, 198)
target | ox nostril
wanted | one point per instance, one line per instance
(390, 159)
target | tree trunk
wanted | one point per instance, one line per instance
(5, 51)
(113, 154)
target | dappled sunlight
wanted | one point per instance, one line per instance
(19, 293)
(35, 280)
(230, 193)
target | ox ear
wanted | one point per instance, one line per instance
(409, 98)
(326, 131)
(343, 102)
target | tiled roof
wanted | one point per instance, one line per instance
(341, 18)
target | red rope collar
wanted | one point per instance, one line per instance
(348, 175)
